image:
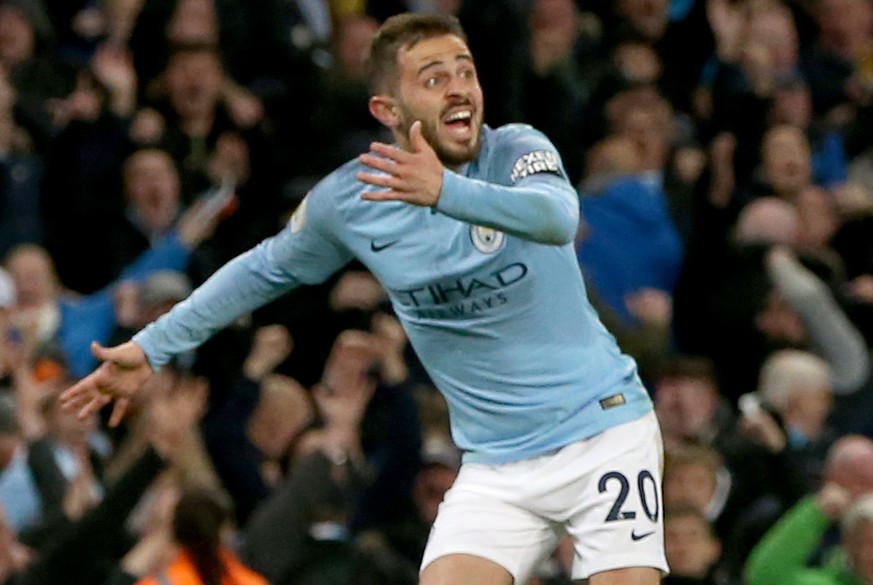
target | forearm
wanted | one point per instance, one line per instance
(543, 210)
(244, 284)
(829, 329)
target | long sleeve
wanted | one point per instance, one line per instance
(245, 283)
(523, 189)
(831, 332)
(545, 210)
(277, 265)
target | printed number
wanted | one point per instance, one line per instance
(615, 512)
(644, 498)
(645, 479)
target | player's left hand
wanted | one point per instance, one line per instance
(414, 176)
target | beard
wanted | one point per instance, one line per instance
(449, 156)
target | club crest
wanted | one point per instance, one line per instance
(487, 240)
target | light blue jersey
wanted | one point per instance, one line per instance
(487, 286)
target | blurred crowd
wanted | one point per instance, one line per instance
(723, 157)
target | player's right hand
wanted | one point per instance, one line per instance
(123, 370)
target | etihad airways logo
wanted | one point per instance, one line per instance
(463, 296)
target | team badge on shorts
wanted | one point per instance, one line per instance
(298, 218)
(487, 240)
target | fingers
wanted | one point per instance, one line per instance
(118, 411)
(384, 181)
(387, 195)
(96, 402)
(390, 152)
(79, 393)
(379, 163)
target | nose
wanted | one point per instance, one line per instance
(458, 86)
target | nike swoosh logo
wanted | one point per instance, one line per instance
(635, 536)
(379, 247)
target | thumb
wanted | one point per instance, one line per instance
(416, 137)
(98, 351)
(105, 354)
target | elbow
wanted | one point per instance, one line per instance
(557, 236)
(561, 227)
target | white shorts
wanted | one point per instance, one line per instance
(605, 492)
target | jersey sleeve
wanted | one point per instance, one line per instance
(526, 192)
(306, 251)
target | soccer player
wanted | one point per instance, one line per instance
(470, 230)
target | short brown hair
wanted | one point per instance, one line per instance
(404, 30)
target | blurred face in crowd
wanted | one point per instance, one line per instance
(647, 17)
(768, 220)
(773, 30)
(859, 550)
(850, 465)
(685, 407)
(690, 546)
(152, 187)
(33, 271)
(689, 483)
(282, 413)
(786, 157)
(807, 410)
(642, 116)
(438, 85)
(193, 21)
(352, 40)
(557, 16)
(17, 38)
(846, 26)
(194, 82)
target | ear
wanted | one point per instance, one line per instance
(384, 109)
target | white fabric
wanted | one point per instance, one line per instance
(515, 513)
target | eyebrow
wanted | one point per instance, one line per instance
(459, 57)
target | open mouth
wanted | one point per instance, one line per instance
(459, 122)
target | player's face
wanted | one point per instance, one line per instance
(438, 85)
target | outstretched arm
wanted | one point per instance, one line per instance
(247, 282)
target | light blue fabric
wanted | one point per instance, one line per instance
(500, 319)
(92, 318)
(19, 496)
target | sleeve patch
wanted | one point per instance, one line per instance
(538, 161)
